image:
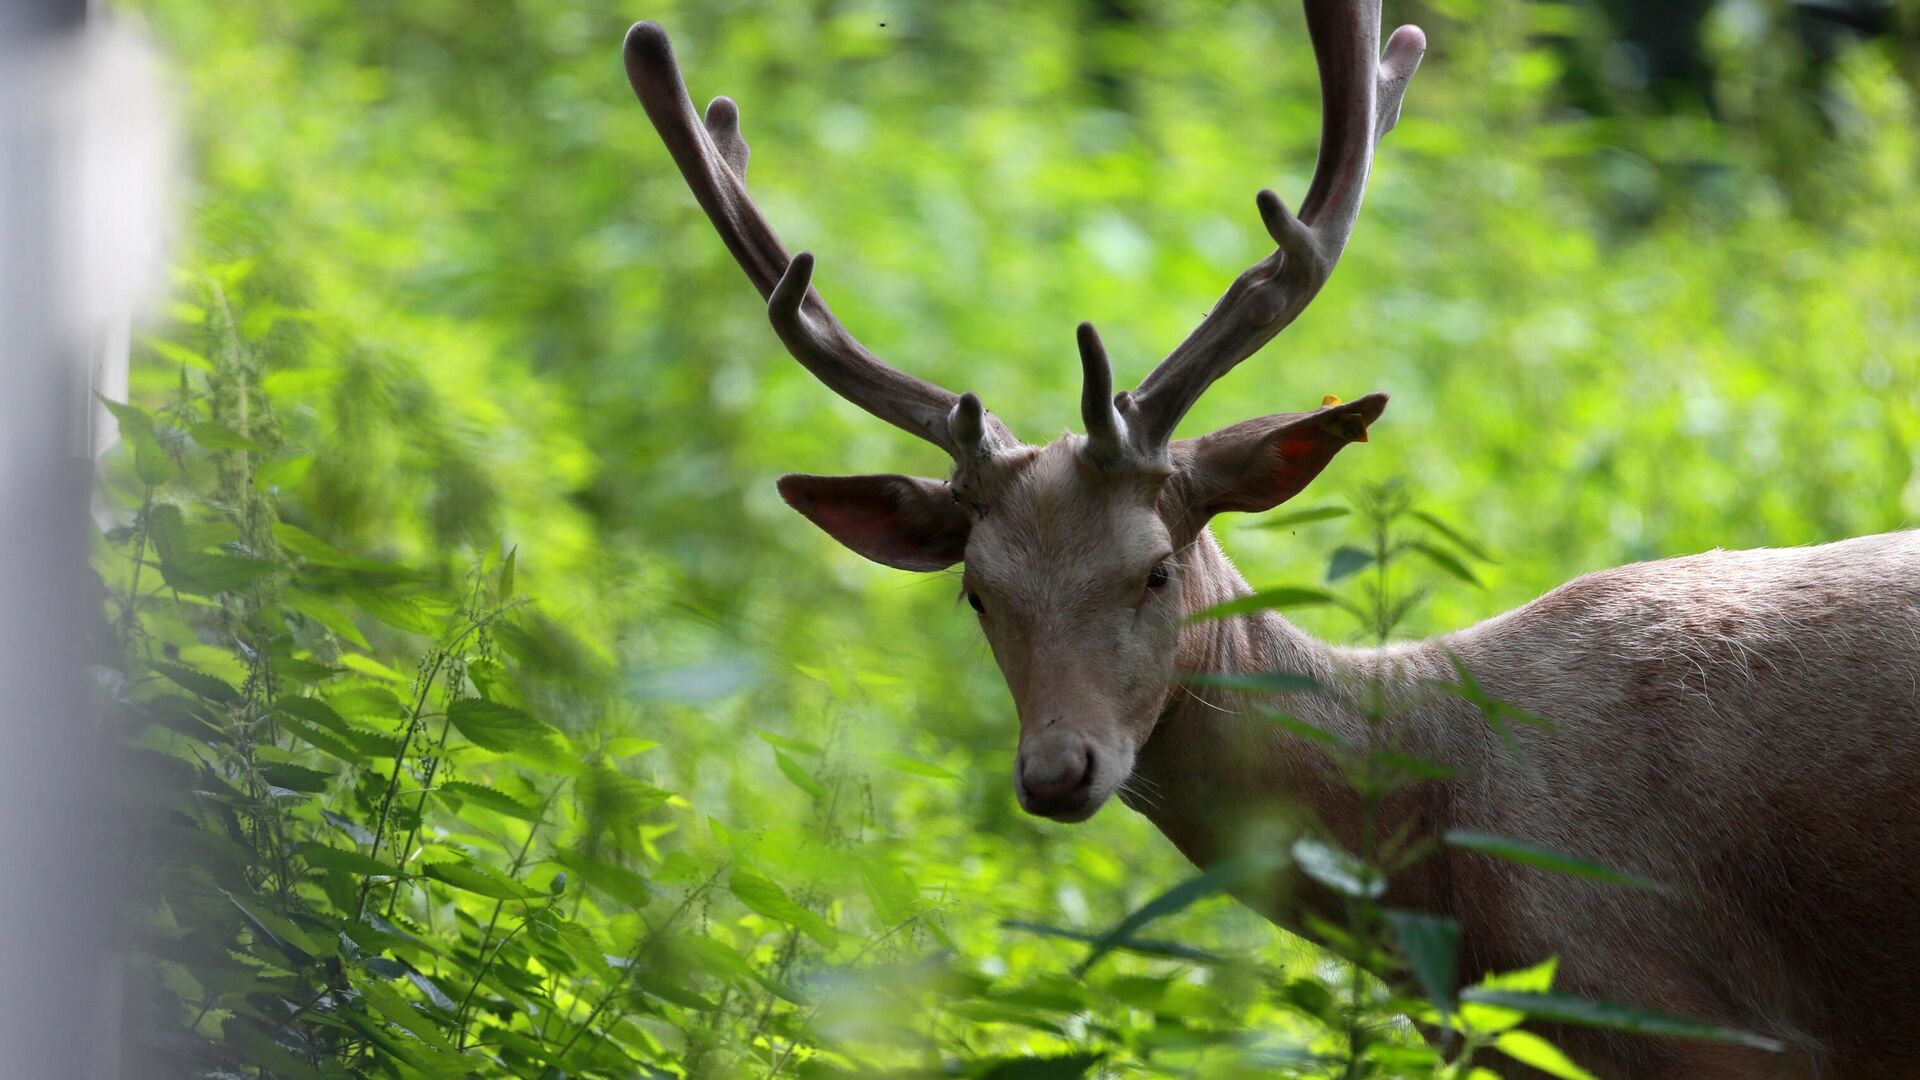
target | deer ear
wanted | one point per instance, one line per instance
(902, 521)
(1258, 464)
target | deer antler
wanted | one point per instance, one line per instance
(1360, 101)
(712, 156)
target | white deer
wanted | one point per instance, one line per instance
(1742, 726)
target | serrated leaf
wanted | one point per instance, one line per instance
(1568, 1009)
(763, 896)
(321, 857)
(1302, 517)
(198, 683)
(296, 777)
(476, 877)
(801, 779)
(461, 791)
(503, 729)
(1347, 561)
(1526, 854)
(1278, 599)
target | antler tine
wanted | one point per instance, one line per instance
(712, 157)
(1360, 94)
(1106, 430)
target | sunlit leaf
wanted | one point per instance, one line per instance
(476, 877)
(762, 896)
(1529, 1049)
(1336, 869)
(801, 779)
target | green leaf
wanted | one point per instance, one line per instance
(132, 418)
(503, 729)
(1432, 947)
(476, 877)
(221, 437)
(461, 791)
(616, 800)
(791, 769)
(1519, 851)
(1336, 869)
(281, 933)
(321, 857)
(1529, 1049)
(1266, 600)
(617, 881)
(1417, 768)
(150, 463)
(1171, 950)
(368, 701)
(1302, 517)
(1059, 1067)
(1445, 560)
(1568, 1009)
(1302, 728)
(210, 573)
(325, 614)
(179, 354)
(399, 612)
(1266, 683)
(913, 766)
(1453, 535)
(296, 777)
(762, 896)
(1213, 881)
(787, 742)
(1347, 561)
(197, 682)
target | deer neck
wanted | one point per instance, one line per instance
(1218, 774)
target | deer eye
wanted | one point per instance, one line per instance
(1158, 576)
(973, 601)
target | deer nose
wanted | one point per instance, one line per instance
(1056, 775)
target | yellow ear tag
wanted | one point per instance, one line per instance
(1330, 399)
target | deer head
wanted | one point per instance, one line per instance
(1073, 551)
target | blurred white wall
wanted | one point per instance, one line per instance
(84, 164)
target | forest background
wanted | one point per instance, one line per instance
(462, 428)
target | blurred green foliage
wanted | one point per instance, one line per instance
(479, 313)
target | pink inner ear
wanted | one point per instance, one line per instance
(870, 529)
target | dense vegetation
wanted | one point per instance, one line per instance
(493, 716)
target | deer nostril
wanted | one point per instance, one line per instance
(1060, 785)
